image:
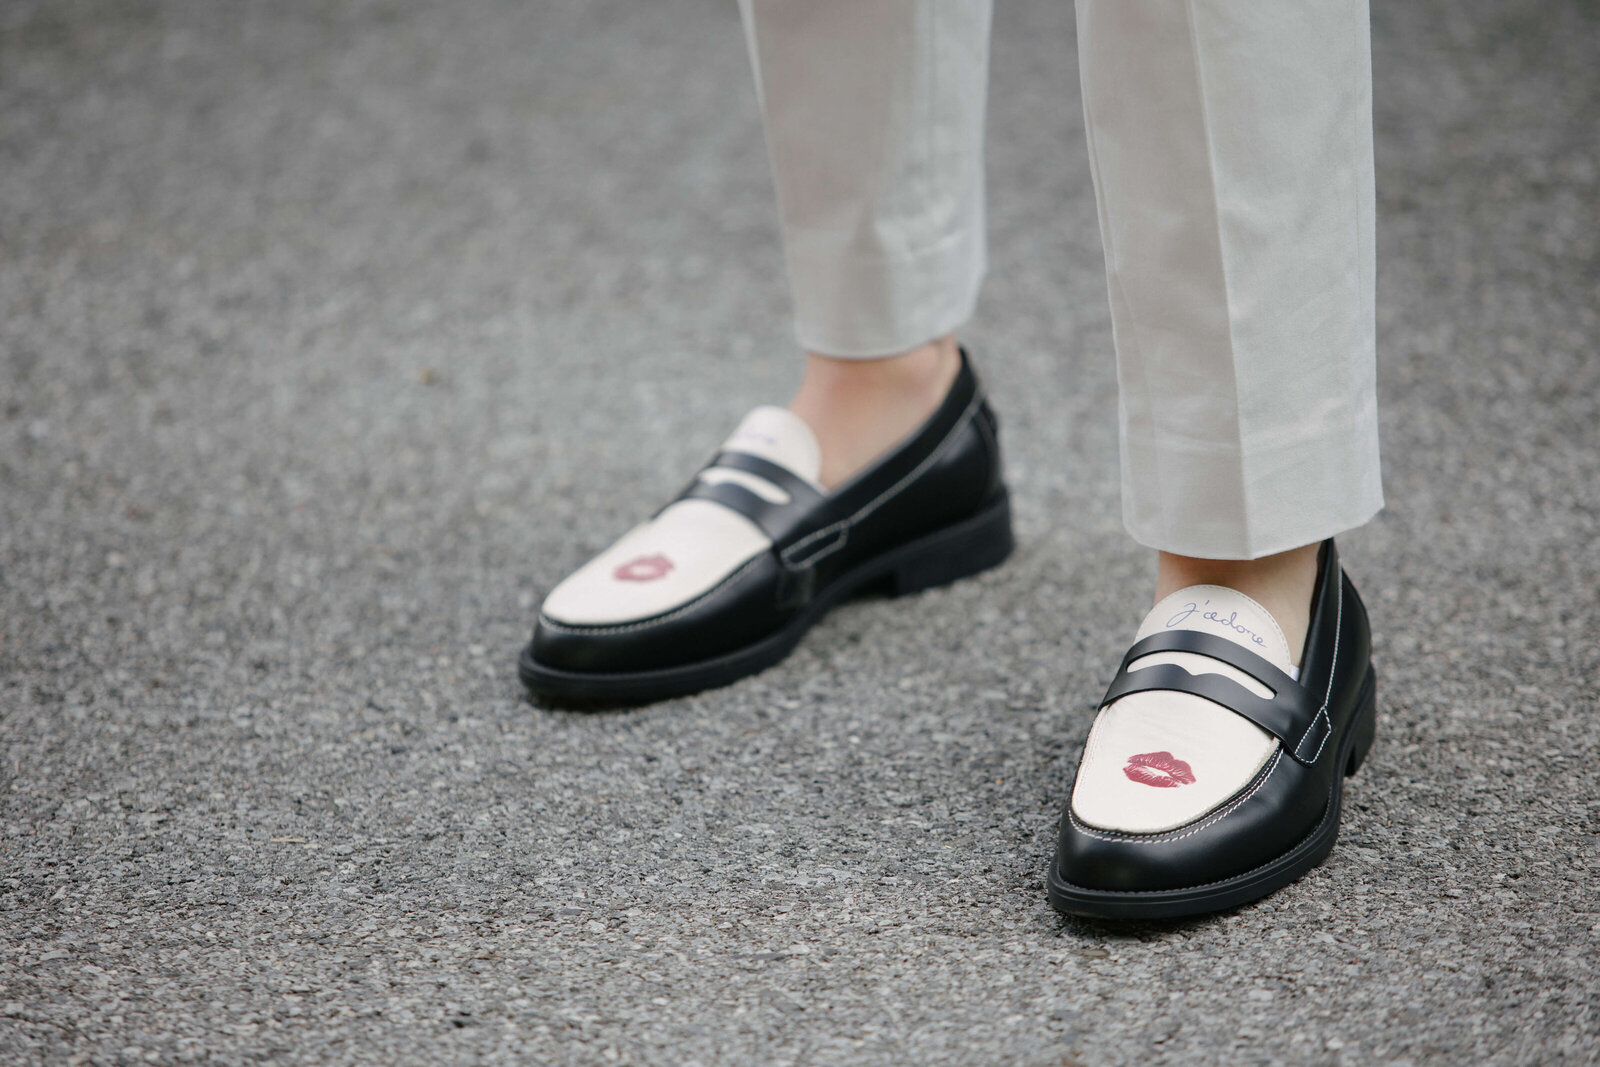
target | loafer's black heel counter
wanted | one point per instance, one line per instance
(955, 552)
(988, 426)
(1364, 720)
(1365, 727)
(975, 544)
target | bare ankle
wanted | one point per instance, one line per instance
(860, 407)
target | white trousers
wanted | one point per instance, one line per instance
(1230, 145)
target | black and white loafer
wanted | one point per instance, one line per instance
(726, 579)
(1214, 772)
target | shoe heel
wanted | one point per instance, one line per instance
(957, 551)
(1366, 725)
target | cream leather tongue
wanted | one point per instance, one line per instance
(1225, 612)
(1158, 760)
(663, 564)
(779, 435)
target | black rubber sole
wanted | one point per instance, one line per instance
(1070, 899)
(962, 549)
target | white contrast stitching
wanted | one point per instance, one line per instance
(1167, 838)
(787, 555)
(1333, 672)
(844, 538)
(1327, 813)
(655, 621)
(1321, 716)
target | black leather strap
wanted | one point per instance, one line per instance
(800, 491)
(1294, 714)
(777, 521)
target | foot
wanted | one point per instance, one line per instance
(1212, 772)
(860, 408)
(726, 579)
(1262, 605)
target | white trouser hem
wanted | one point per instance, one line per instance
(1221, 504)
(856, 306)
(1223, 543)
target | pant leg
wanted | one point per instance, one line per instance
(1231, 145)
(874, 119)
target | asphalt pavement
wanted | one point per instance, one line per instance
(332, 334)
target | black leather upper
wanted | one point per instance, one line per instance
(1288, 797)
(948, 470)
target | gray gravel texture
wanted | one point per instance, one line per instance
(335, 333)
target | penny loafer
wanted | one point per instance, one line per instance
(1214, 772)
(725, 580)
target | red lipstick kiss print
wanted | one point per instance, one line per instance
(1160, 769)
(643, 569)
